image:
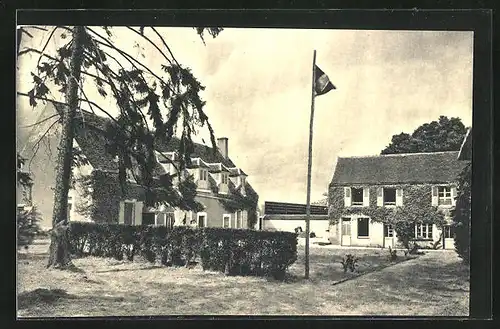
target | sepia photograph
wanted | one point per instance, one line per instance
(165, 171)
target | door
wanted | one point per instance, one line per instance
(345, 239)
(388, 236)
(449, 241)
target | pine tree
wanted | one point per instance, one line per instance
(168, 99)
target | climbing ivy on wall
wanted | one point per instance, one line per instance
(99, 196)
(237, 201)
(416, 208)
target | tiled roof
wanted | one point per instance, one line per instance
(437, 167)
(91, 139)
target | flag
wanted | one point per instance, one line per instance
(322, 85)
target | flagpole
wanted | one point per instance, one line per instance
(309, 164)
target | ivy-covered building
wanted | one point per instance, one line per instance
(227, 198)
(370, 196)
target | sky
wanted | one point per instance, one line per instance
(258, 93)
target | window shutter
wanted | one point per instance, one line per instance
(366, 196)
(453, 195)
(138, 212)
(380, 196)
(121, 213)
(399, 197)
(347, 196)
(434, 196)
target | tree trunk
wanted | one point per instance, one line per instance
(59, 256)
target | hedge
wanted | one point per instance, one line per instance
(232, 251)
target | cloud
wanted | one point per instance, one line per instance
(258, 93)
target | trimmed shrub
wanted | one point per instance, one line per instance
(231, 251)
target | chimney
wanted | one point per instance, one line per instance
(222, 146)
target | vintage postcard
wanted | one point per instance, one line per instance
(168, 171)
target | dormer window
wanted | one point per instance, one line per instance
(242, 180)
(203, 174)
(224, 178)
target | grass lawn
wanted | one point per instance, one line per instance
(433, 284)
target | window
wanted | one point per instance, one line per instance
(226, 219)
(363, 227)
(357, 196)
(449, 232)
(202, 219)
(128, 213)
(242, 180)
(346, 226)
(444, 195)
(423, 231)
(389, 196)
(239, 219)
(203, 174)
(160, 219)
(388, 231)
(224, 178)
(69, 211)
(170, 219)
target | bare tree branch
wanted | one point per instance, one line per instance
(46, 44)
(37, 144)
(151, 42)
(166, 46)
(39, 122)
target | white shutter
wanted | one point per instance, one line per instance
(399, 197)
(121, 213)
(138, 212)
(453, 195)
(434, 196)
(380, 196)
(366, 196)
(347, 196)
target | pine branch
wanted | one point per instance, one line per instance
(115, 91)
(128, 57)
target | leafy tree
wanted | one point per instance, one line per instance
(462, 214)
(442, 135)
(142, 95)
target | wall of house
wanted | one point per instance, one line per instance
(318, 224)
(415, 195)
(215, 211)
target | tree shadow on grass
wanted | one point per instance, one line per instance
(131, 269)
(41, 296)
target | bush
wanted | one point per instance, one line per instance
(349, 262)
(27, 226)
(232, 251)
(393, 256)
(462, 214)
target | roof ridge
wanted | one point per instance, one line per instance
(394, 155)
